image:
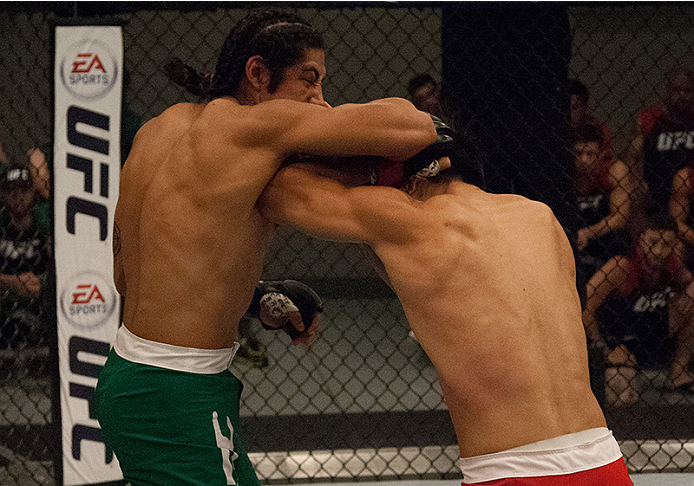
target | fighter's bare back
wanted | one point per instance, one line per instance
(190, 241)
(488, 286)
(504, 349)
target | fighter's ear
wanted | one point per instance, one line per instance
(257, 72)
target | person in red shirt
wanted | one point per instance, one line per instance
(664, 142)
(604, 190)
(640, 311)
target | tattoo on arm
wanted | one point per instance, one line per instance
(116, 240)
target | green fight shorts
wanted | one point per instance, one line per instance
(171, 414)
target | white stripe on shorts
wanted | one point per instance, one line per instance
(566, 454)
(192, 360)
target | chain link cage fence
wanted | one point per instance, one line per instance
(364, 401)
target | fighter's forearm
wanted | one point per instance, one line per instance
(315, 204)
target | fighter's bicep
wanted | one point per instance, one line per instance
(327, 209)
(354, 129)
(386, 215)
(356, 215)
(310, 202)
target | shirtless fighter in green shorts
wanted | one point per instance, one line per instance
(189, 243)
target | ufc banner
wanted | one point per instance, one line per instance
(88, 89)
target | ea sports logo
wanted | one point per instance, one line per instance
(88, 69)
(87, 300)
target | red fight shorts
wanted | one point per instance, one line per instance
(588, 458)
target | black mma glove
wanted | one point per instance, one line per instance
(280, 297)
(425, 163)
(466, 158)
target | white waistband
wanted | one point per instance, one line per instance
(192, 360)
(566, 454)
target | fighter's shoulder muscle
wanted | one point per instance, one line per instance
(263, 125)
(178, 115)
(224, 120)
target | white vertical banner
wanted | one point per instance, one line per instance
(88, 89)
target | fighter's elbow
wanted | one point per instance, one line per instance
(427, 130)
(421, 134)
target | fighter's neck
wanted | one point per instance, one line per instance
(460, 187)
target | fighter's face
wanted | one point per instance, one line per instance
(304, 81)
(19, 200)
(680, 96)
(587, 155)
(426, 99)
(657, 246)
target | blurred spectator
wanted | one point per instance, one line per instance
(3, 155)
(36, 162)
(664, 143)
(40, 173)
(580, 116)
(681, 209)
(425, 94)
(603, 187)
(25, 256)
(640, 311)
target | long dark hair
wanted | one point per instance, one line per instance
(280, 37)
